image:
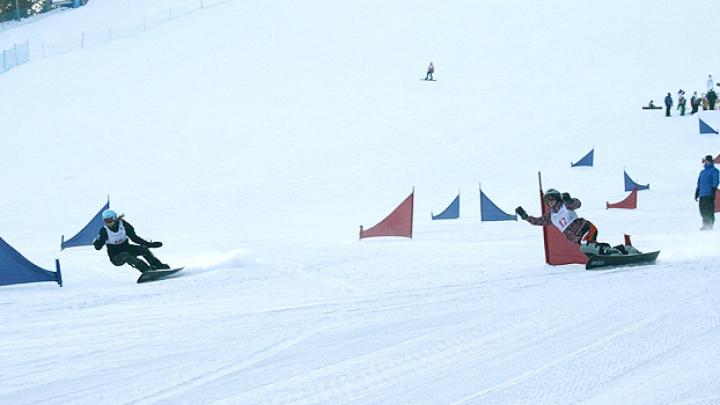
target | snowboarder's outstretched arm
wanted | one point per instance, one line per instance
(130, 232)
(544, 220)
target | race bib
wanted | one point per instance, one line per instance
(116, 238)
(563, 218)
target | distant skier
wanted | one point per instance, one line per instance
(668, 104)
(430, 71)
(561, 213)
(707, 185)
(115, 234)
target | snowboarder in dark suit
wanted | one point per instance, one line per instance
(115, 234)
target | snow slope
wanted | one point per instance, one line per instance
(253, 138)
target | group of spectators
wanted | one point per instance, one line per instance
(706, 100)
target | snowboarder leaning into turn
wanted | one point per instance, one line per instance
(561, 213)
(115, 234)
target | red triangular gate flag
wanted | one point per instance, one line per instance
(558, 250)
(630, 202)
(398, 223)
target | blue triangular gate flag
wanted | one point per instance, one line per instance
(87, 234)
(587, 160)
(16, 269)
(451, 212)
(630, 184)
(705, 128)
(490, 212)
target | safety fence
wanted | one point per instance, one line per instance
(20, 54)
(15, 56)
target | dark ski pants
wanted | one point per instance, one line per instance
(707, 210)
(130, 256)
(667, 110)
(428, 76)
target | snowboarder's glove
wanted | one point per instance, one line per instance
(154, 244)
(566, 197)
(521, 212)
(697, 194)
(97, 244)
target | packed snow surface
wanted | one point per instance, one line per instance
(253, 138)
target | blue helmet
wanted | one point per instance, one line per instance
(109, 214)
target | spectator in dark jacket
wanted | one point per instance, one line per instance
(668, 104)
(115, 234)
(694, 103)
(712, 98)
(707, 185)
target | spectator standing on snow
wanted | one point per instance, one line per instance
(694, 103)
(430, 71)
(712, 98)
(681, 102)
(707, 185)
(668, 104)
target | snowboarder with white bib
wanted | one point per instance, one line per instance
(578, 230)
(116, 235)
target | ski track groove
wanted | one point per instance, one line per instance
(171, 393)
(643, 323)
(596, 365)
(360, 376)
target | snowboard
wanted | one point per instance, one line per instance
(637, 259)
(426, 80)
(152, 275)
(652, 108)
